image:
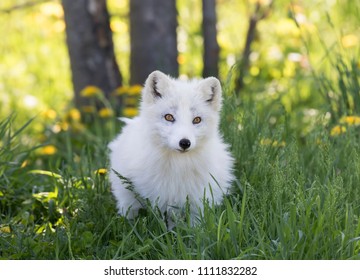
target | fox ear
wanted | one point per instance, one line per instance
(211, 90)
(155, 86)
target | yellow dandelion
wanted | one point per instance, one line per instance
(181, 59)
(106, 113)
(266, 142)
(278, 144)
(73, 115)
(349, 41)
(64, 126)
(5, 229)
(101, 171)
(135, 90)
(122, 90)
(91, 91)
(130, 112)
(273, 143)
(350, 120)
(48, 150)
(49, 114)
(337, 130)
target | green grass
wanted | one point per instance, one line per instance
(295, 198)
(297, 192)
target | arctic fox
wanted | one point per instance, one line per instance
(172, 153)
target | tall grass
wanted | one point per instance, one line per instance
(293, 199)
(296, 196)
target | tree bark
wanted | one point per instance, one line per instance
(261, 12)
(211, 46)
(244, 64)
(153, 38)
(90, 45)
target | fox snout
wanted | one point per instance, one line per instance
(184, 144)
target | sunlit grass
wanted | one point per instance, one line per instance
(292, 199)
(294, 134)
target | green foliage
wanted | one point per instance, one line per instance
(34, 39)
(295, 198)
(343, 93)
(294, 131)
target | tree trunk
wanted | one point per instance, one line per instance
(261, 12)
(153, 38)
(211, 46)
(90, 46)
(244, 64)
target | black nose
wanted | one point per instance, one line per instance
(184, 144)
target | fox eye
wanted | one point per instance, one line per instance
(196, 120)
(169, 118)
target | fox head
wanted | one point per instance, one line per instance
(181, 115)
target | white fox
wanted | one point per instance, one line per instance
(172, 152)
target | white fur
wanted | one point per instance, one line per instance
(148, 154)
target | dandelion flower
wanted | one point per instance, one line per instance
(64, 126)
(91, 91)
(278, 144)
(73, 115)
(266, 142)
(48, 150)
(122, 90)
(130, 112)
(350, 120)
(49, 114)
(101, 171)
(135, 90)
(181, 59)
(273, 143)
(337, 130)
(5, 229)
(106, 113)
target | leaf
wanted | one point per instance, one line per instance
(47, 173)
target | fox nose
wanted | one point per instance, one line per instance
(184, 144)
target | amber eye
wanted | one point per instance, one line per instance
(169, 118)
(196, 120)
